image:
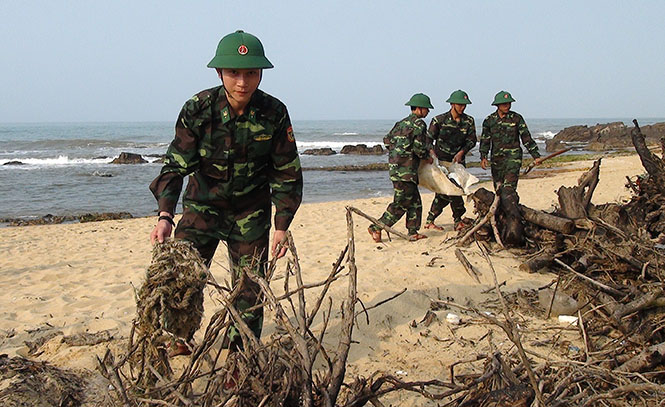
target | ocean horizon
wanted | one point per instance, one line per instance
(66, 167)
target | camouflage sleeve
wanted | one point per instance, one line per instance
(528, 142)
(181, 159)
(433, 131)
(285, 175)
(421, 142)
(471, 138)
(485, 139)
(388, 140)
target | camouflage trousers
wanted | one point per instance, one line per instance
(406, 200)
(506, 171)
(441, 201)
(243, 255)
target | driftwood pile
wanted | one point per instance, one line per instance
(276, 371)
(610, 266)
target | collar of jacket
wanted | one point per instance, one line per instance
(226, 110)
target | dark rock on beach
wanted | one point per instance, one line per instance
(362, 149)
(14, 163)
(603, 136)
(95, 217)
(129, 158)
(44, 220)
(366, 167)
(319, 151)
(53, 220)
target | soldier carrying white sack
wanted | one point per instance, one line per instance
(453, 135)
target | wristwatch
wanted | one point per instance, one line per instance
(167, 218)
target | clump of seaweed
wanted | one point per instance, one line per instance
(170, 302)
(25, 382)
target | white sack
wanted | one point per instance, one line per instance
(433, 177)
(462, 177)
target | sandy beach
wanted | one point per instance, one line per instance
(78, 278)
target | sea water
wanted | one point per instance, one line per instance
(66, 167)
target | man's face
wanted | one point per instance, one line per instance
(503, 107)
(421, 112)
(240, 84)
(459, 109)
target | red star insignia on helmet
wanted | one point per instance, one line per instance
(505, 96)
(242, 50)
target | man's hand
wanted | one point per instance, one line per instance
(459, 157)
(484, 163)
(277, 237)
(162, 230)
(537, 161)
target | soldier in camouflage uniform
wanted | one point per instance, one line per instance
(453, 135)
(236, 144)
(407, 144)
(502, 131)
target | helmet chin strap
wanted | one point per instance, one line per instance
(226, 92)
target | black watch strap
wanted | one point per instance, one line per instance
(168, 219)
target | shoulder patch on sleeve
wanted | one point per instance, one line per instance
(289, 134)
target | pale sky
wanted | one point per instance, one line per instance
(141, 60)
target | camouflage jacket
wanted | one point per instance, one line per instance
(235, 163)
(502, 136)
(407, 143)
(450, 136)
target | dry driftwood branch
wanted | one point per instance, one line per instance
(585, 337)
(574, 201)
(654, 165)
(644, 360)
(490, 214)
(339, 364)
(495, 230)
(379, 224)
(392, 297)
(510, 328)
(629, 388)
(612, 251)
(301, 317)
(651, 299)
(546, 220)
(335, 270)
(556, 287)
(600, 285)
(590, 180)
(468, 267)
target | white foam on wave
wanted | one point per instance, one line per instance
(58, 161)
(548, 135)
(335, 145)
(346, 134)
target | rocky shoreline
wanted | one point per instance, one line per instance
(54, 220)
(602, 137)
(358, 149)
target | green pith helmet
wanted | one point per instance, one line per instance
(240, 50)
(459, 97)
(420, 100)
(502, 97)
